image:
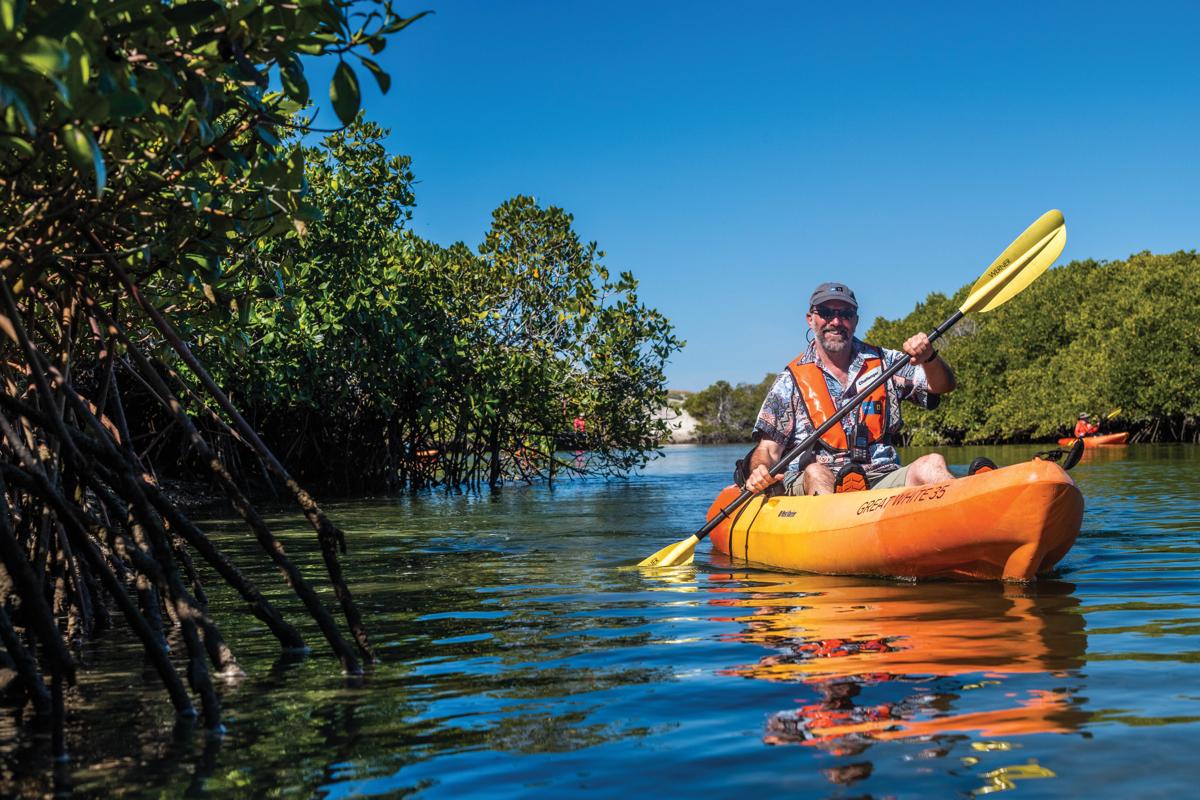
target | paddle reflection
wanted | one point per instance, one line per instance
(888, 661)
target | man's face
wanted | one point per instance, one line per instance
(833, 323)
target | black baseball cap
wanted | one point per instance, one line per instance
(833, 291)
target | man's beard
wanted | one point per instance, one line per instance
(834, 344)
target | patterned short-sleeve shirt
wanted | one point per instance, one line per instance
(784, 419)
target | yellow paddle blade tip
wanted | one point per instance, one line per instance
(1021, 263)
(673, 555)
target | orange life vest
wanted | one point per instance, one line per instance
(1085, 428)
(810, 381)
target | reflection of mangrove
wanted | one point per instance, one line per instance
(292, 730)
(325, 736)
(531, 460)
(840, 636)
(461, 669)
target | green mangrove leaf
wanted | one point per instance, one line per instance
(291, 75)
(191, 13)
(382, 78)
(400, 23)
(344, 92)
(17, 144)
(44, 55)
(11, 13)
(85, 154)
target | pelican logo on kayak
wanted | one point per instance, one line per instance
(787, 513)
(934, 492)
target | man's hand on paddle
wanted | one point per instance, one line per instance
(760, 478)
(766, 454)
(937, 372)
(919, 347)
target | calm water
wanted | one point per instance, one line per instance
(519, 659)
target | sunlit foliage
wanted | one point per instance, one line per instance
(377, 360)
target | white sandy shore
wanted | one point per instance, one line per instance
(681, 423)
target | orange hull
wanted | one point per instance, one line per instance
(1007, 524)
(1095, 441)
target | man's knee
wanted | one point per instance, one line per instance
(928, 469)
(816, 476)
(817, 470)
(931, 461)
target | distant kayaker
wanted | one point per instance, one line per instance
(861, 452)
(1084, 427)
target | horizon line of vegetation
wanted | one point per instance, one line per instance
(1114, 338)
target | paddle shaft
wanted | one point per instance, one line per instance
(836, 419)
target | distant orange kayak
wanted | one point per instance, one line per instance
(1093, 441)
(1009, 524)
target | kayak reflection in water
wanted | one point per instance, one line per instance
(859, 453)
(841, 727)
(832, 722)
(935, 662)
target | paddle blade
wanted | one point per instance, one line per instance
(1075, 454)
(1020, 264)
(673, 555)
(1113, 414)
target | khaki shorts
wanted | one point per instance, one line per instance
(876, 480)
(888, 480)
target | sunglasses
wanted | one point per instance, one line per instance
(827, 313)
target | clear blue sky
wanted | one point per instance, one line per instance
(734, 155)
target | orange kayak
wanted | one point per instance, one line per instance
(1093, 441)
(1008, 524)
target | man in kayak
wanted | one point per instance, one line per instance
(1085, 428)
(859, 453)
